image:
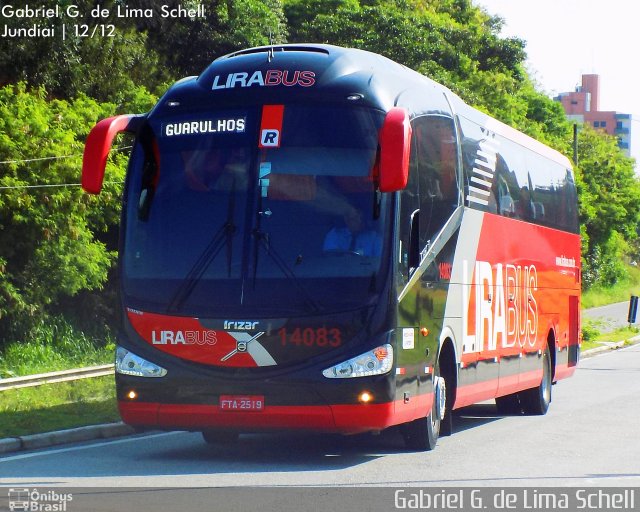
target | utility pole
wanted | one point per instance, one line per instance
(575, 144)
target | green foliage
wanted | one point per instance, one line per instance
(609, 194)
(104, 68)
(48, 226)
(589, 331)
(57, 406)
(53, 344)
(599, 295)
(144, 52)
(439, 40)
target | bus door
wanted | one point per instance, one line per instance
(409, 357)
(435, 142)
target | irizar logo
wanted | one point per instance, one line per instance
(240, 325)
(503, 310)
(184, 337)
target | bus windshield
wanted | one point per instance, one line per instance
(221, 226)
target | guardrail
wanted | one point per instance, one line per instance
(53, 377)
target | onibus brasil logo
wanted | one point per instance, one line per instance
(37, 501)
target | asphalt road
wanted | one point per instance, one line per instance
(609, 317)
(590, 437)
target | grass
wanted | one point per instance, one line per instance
(620, 292)
(54, 346)
(57, 406)
(593, 337)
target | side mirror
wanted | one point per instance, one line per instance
(395, 147)
(98, 145)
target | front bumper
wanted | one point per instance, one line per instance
(339, 418)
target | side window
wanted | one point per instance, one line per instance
(409, 205)
(553, 200)
(567, 196)
(511, 184)
(437, 163)
(540, 180)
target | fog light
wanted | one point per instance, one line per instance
(132, 395)
(365, 397)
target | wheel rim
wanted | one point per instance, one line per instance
(545, 386)
(439, 398)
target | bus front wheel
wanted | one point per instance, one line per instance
(422, 434)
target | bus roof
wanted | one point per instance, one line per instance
(322, 73)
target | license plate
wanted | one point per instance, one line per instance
(251, 403)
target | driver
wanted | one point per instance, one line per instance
(354, 237)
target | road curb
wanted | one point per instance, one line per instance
(72, 435)
(611, 346)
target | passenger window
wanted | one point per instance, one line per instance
(409, 205)
(436, 155)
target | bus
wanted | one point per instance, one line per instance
(318, 238)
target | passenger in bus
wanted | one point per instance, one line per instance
(201, 168)
(234, 174)
(216, 169)
(353, 237)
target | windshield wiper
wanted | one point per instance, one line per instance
(262, 240)
(223, 237)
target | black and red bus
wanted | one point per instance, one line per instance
(319, 238)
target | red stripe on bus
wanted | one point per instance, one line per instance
(272, 116)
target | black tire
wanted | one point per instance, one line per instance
(535, 401)
(446, 425)
(422, 434)
(220, 436)
(509, 404)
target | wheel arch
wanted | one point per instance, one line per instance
(551, 343)
(448, 362)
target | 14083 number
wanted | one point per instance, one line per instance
(321, 337)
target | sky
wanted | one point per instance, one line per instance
(566, 38)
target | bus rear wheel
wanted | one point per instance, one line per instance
(422, 434)
(535, 401)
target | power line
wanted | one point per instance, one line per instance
(38, 159)
(54, 157)
(54, 185)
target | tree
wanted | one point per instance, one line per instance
(48, 226)
(140, 52)
(609, 195)
(104, 66)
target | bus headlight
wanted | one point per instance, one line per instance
(375, 362)
(127, 363)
